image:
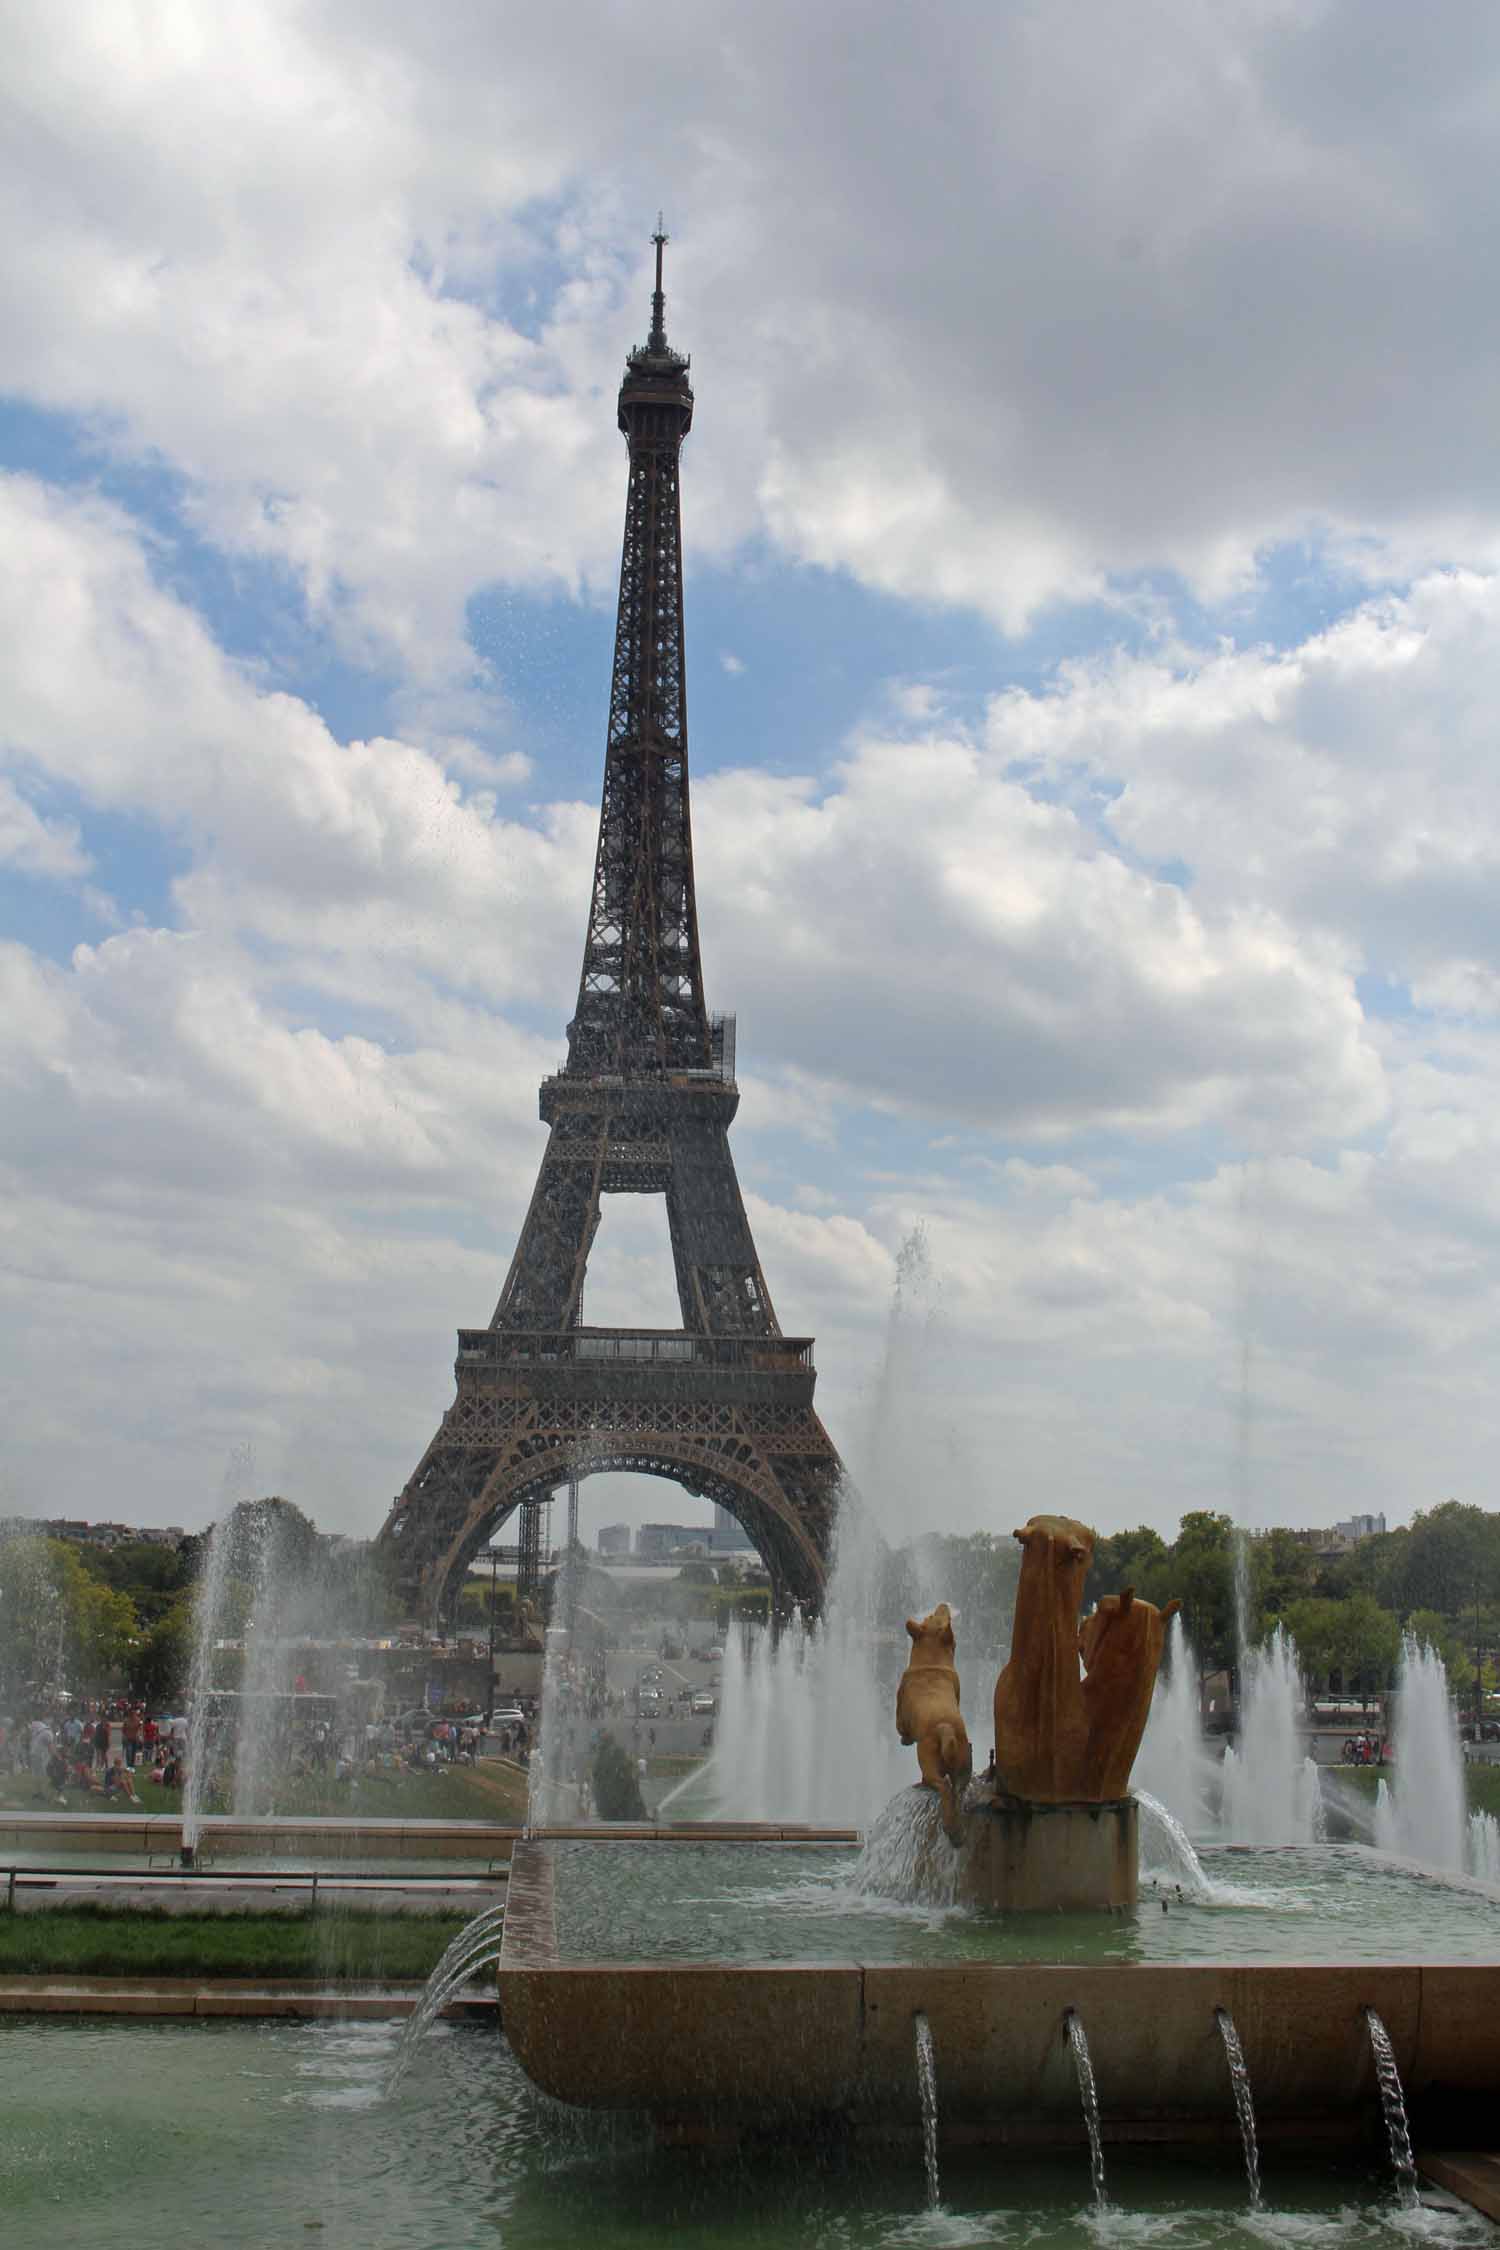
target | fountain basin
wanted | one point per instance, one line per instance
(1035, 1859)
(716, 2045)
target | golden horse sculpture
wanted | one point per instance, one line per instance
(1061, 1738)
(927, 1713)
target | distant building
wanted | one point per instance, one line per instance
(1329, 1540)
(655, 1541)
(614, 1539)
(729, 1537)
(78, 1532)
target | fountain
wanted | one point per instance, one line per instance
(1271, 1790)
(1422, 1814)
(927, 2088)
(1088, 2094)
(1050, 1824)
(1393, 2104)
(1239, 2076)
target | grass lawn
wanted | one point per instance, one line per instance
(337, 1946)
(489, 1791)
(1482, 1783)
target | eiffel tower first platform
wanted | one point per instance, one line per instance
(723, 1406)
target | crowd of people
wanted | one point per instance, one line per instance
(94, 1751)
(1364, 1750)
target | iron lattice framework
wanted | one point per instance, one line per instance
(643, 1105)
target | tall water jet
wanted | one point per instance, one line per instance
(257, 1743)
(927, 2089)
(804, 1729)
(1393, 2103)
(1088, 2094)
(1244, 2106)
(1172, 1764)
(1423, 1815)
(209, 1598)
(1484, 1847)
(1271, 1791)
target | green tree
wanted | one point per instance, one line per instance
(273, 1531)
(1377, 1566)
(1430, 1629)
(1201, 1561)
(1453, 1559)
(1315, 1627)
(59, 1626)
(1283, 1569)
(1136, 1558)
(617, 1792)
(152, 1575)
(162, 1659)
(1354, 1638)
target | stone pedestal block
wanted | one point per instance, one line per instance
(1039, 1859)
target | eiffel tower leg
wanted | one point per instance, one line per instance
(545, 1283)
(719, 1282)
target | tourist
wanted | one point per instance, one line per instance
(119, 1781)
(101, 1740)
(149, 1733)
(179, 1737)
(131, 1735)
(39, 1751)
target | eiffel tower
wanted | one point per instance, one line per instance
(723, 1406)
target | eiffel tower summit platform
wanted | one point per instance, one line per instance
(723, 1406)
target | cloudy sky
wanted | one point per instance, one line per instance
(1093, 535)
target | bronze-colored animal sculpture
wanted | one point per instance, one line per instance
(927, 1713)
(1041, 1721)
(1120, 1642)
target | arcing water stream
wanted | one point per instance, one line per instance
(1089, 2096)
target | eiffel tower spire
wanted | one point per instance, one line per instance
(640, 998)
(642, 1105)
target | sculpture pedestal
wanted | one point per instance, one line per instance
(1043, 1859)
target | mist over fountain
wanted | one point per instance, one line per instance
(804, 1730)
(1271, 1790)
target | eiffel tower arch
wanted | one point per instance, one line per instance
(723, 1406)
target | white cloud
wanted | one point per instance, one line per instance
(35, 845)
(1132, 299)
(257, 1167)
(1346, 784)
(1138, 298)
(931, 936)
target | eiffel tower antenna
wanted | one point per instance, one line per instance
(658, 341)
(642, 1105)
